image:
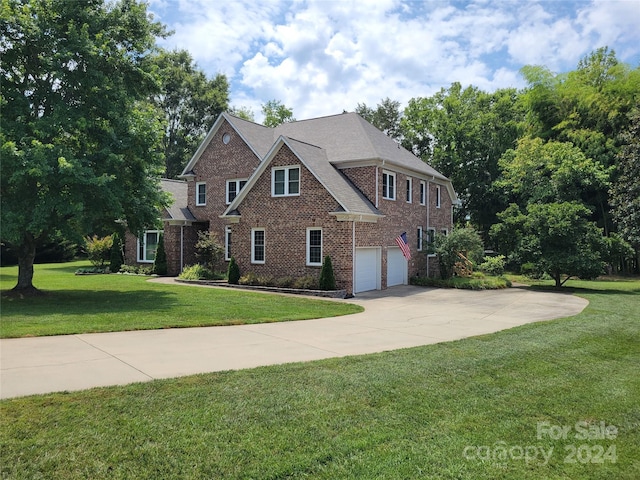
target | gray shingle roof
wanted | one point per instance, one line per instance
(178, 210)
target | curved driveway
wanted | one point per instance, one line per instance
(399, 317)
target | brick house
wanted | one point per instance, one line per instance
(283, 198)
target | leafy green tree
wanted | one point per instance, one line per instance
(625, 190)
(539, 172)
(463, 133)
(79, 141)
(160, 261)
(458, 245)
(190, 103)
(385, 117)
(209, 250)
(327, 277)
(557, 238)
(276, 113)
(242, 112)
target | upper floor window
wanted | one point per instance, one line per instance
(389, 185)
(314, 246)
(233, 188)
(422, 193)
(409, 190)
(285, 181)
(438, 198)
(257, 245)
(201, 193)
(148, 246)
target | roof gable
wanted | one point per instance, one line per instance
(315, 160)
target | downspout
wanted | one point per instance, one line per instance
(353, 257)
(377, 185)
(181, 247)
(428, 223)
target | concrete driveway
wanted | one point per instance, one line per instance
(399, 317)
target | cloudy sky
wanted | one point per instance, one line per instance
(320, 57)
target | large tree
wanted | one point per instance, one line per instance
(276, 113)
(79, 142)
(463, 133)
(385, 117)
(190, 101)
(625, 191)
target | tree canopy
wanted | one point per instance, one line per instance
(80, 141)
(190, 103)
(276, 113)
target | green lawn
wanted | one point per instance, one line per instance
(107, 303)
(446, 411)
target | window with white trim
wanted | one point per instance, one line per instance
(419, 235)
(285, 181)
(314, 246)
(257, 245)
(201, 194)
(233, 189)
(409, 190)
(148, 246)
(438, 203)
(388, 185)
(431, 238)
(227, 242)
(422, 193)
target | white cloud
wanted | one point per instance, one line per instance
(320, 57)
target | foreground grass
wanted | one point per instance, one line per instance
(444, 411)
(107, 303)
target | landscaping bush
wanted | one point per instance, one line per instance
(209, 250)
(160, 262)
(493, 265)
(284, 282)
(327, 278)
(249, 278)
(98, 249)
(196, 272)
(307, 282)
(464, 241)
(233, 272)
(116, 259)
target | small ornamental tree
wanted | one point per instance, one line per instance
(233, 273)
(116, 257)
(327, 278)
(449, 248)
(160, 262)
(98, 249)
(209, 251)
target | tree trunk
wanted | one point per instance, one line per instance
(26, 257)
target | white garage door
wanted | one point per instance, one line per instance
(367, 269)
(396, 267)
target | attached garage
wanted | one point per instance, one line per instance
(397, 267)
(367, 269)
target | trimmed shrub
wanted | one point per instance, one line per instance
(98, 249)
(307, 282)
(160, 262)
(116, 259)
(327, 278)
(233, 273)
(493, 265)
(196, 272)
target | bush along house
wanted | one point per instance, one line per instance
(283, 198)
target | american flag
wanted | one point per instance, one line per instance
(401, 240)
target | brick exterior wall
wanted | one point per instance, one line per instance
(285, 221)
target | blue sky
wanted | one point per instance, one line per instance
(325, 56)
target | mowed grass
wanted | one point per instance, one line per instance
(107, 303)
(469, 409)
